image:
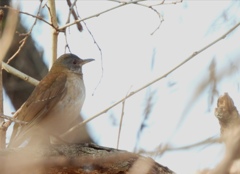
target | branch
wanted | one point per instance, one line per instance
(98, 14)
(157, 79)
(29, 14)
(72, 11)
(227, 114)
(53, 17)
(229, 121)
(19, 74)
(23, 41)
(5, 42)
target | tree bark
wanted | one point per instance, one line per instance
(76, 159)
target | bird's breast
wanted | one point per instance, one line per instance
(67, 110)
(75, 94)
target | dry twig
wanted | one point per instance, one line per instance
(98, 14)
(23, 41)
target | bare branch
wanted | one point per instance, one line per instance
(72, 11)
(226, 113)
(29, 14)
(53, 17)
(19, 74)
(5, 42)
(98, 14)
(159, 78)
(23, 41)
(229, 121)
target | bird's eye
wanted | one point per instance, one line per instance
(74, 62)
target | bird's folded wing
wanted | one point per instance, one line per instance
(44, 97)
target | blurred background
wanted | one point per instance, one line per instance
(132, 45)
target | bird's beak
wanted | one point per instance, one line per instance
(87, 61)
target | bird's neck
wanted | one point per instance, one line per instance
(65, 70)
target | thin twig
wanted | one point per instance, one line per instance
(167, 3)
(23, 41)
(98, 14)
(121, 120)
(28, 14)
(66, 41)
(100, 51)
(157, 79)
(151, 7)
(162, 149)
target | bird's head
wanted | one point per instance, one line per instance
(69, 62)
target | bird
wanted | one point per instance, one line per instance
(53, 106)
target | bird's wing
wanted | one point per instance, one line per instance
(44, 97)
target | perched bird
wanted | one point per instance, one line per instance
(54, 105)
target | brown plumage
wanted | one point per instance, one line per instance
(54, 105)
